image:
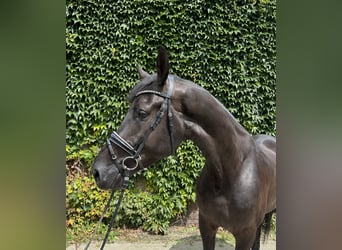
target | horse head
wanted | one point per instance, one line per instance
(150, 131)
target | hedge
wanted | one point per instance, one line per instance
(228, 47)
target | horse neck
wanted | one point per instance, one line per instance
(215, 131)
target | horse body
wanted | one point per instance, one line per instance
(236, 187)
(239, 170)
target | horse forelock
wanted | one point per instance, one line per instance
(147, 83)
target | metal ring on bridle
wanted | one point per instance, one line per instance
(130, 158)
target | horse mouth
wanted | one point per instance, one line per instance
(109, 182)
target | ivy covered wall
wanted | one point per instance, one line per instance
(228, 47)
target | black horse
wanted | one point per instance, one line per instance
(237, 186)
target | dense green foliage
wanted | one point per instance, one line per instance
(228, 47)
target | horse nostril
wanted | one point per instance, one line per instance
(96, 174)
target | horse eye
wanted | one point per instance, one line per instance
(142, 114)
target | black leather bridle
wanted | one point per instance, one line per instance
(133, 160)
(124, 167)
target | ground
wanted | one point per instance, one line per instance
(177, 238)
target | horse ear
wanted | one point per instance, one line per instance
(162, 65)
(143, 73)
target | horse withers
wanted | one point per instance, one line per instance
(237, 186)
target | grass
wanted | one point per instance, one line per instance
(225, 236)
(83, 233)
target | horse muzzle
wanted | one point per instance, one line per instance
(107, 177)
(129, 163)
(111, 175)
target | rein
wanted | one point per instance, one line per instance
(124, 167)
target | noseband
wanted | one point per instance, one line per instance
(133, 160)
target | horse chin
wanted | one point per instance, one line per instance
(116, 183)
(111, 182)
